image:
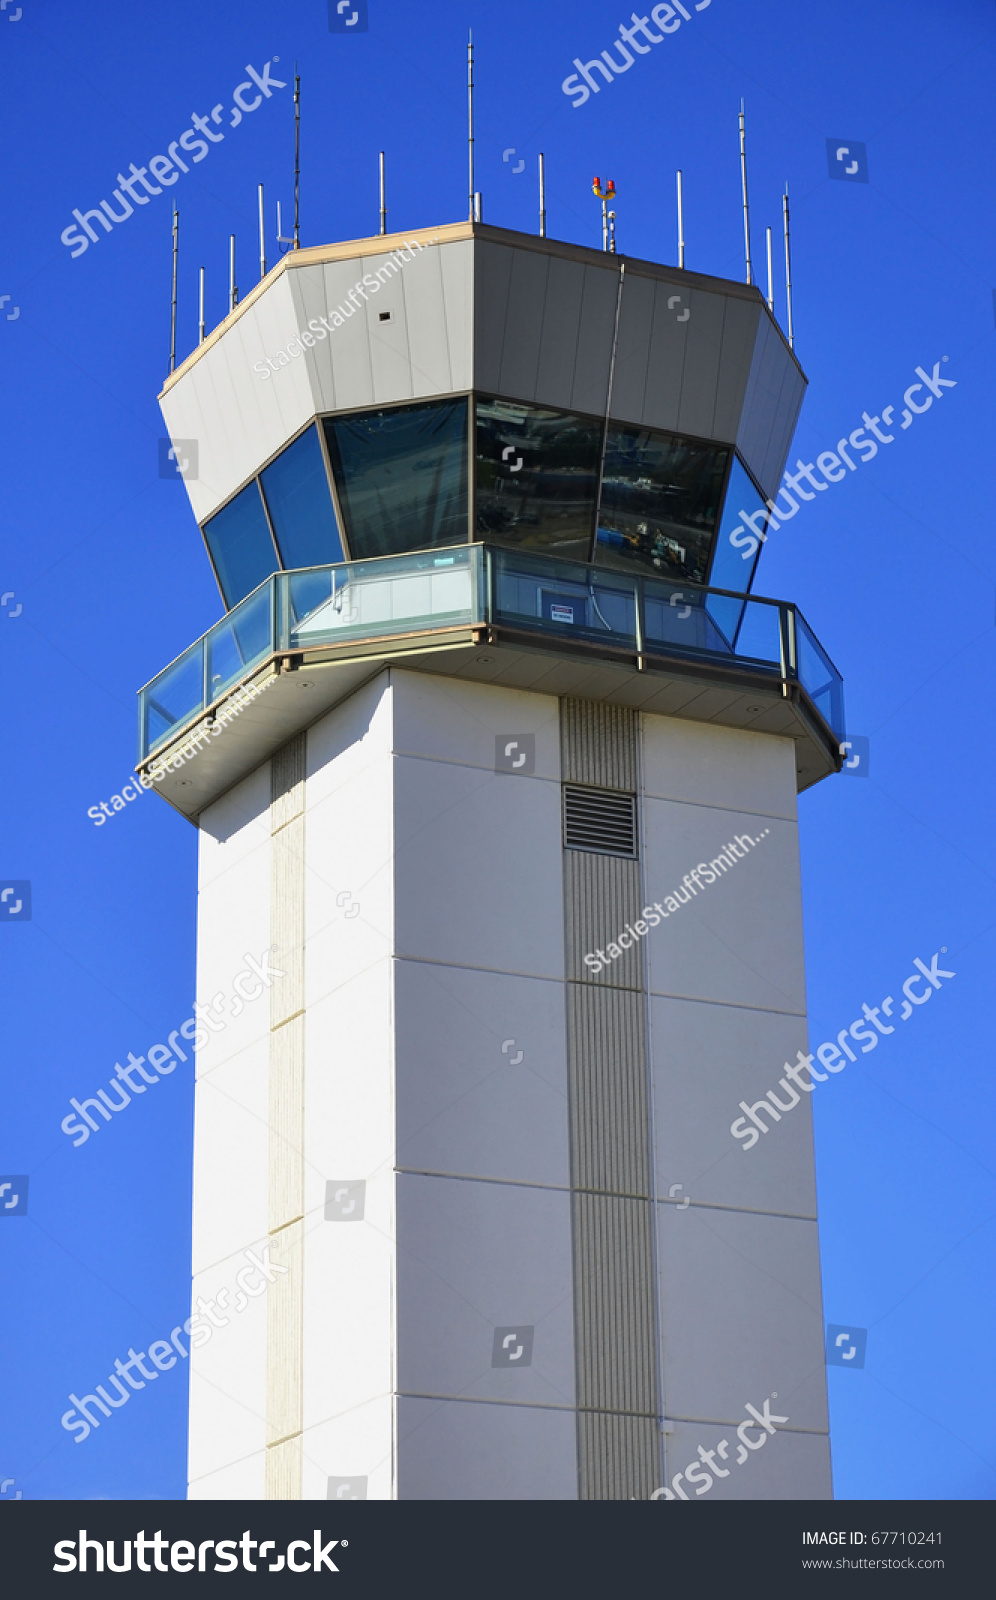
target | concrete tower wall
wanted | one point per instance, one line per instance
(436, 1055)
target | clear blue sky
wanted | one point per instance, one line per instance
(894, 568)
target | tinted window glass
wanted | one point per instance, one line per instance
(735, 560)
(660, 501)
(240, 545)
(296, 488)
(401, 475)
(536, 477)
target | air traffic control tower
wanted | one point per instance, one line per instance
(469, 502)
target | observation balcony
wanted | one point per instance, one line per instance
(494, 616)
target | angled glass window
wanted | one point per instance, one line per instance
(660, 502)
(240, 545)
(537, 472)
(737, 550)
(401, 476)
(299, 500)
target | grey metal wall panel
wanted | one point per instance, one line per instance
(238, 417)
(456, 269)
(603, 896)
(611, 1171)
(740, 320)
(560, 334)
(311, 303)
(668, 349)
(772, 402)
(492, 276)
(616, 1348)
(608, 1090)
(633, 352)
(700, 376)
(347, 348)
(523, 323)
(782, 429)
(421, 292)
(619, 1456)
(598, 317)
(598, 744)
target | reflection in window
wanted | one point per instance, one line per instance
(298, 498)
(401, 475)
(735, 559)
(660, 501)
(536, 477)
(240, 545)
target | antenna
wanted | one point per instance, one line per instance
(612, 232)
(233, 293)
(609, 193)
(383, 197)
(681, 225)
(297, 159)
(478, 207)
(262, 237)
(542, 183)
(788, 266)
(470, 119)
(771, 281)
(200, 339)
(172, 320)
(281, 239)
(743, 180)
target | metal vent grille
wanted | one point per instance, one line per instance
(600, 820)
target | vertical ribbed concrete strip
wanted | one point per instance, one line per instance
(285, 1297)
(612, 1221)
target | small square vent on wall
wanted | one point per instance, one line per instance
(600, 820)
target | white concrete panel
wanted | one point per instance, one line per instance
(787, 1466)
(348, 1311)
(449, 720)
(706, 1059)
(243, 1480)
(481, 1074)
(478, 868)
(473, 1258)
(356, 1444)
(233, 918)
(724, 767)
(349, 885)
(739, 940)
(228, 1373)
(453, 1450)
(231, 1139)
(742, 1316)
(238, 417)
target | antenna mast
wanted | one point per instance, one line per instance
(788, 266)
(262, 237)
(470, 119)
(383, 197)
(172, 320)
(681, 225)
(542, 183)
(771, 281)
(743, 181)
(233, 293)
(200, 339)
(297, 161)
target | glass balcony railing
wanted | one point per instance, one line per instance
(479, 585)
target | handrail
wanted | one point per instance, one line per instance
(265, 623)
